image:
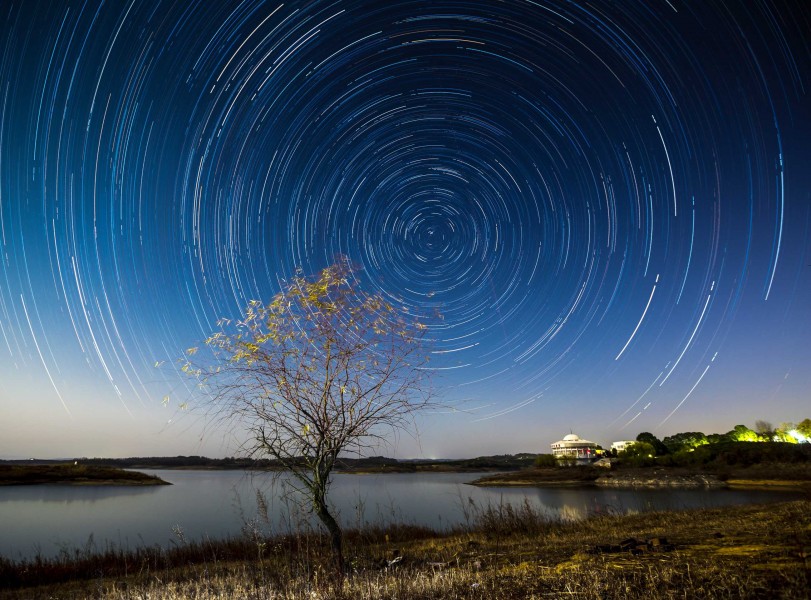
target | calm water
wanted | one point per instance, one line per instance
(48, 519)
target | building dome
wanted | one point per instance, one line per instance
(575, 447)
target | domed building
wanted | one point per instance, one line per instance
(573, 446)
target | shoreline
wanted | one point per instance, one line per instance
(74, 475)
(644, 478)
(573, 483)
(787, 484)
(87, 483)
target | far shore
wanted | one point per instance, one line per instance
(727, 465)
(776, 476)
(358, 466)
(74, 474)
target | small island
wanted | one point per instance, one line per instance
(73, 474)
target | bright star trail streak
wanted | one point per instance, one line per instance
(514, 173)
(642, 318)
(692, 389)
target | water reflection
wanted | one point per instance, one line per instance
(67, 494)
(217, 504)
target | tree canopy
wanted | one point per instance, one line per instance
(655, 442)
(684, 441)
(741, 433)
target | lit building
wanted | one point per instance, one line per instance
(572, 446)
(620, 446)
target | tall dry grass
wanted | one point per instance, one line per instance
(505, 552)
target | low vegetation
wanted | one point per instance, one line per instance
(73, 474)
(504, 552)
(739, 463)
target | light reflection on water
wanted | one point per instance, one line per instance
(216, 504)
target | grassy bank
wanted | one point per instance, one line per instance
(504, 552)
(73, 474)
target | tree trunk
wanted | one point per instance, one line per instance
(335, 534)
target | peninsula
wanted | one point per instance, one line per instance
(73, 474)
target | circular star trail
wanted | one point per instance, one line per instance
(598, 209)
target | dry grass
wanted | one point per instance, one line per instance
(733, 552)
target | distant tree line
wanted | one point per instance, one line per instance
(695, 447)
(763, 432)
(501, 461)
(176, 462)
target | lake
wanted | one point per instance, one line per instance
(48, 519)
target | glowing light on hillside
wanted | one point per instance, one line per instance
(801, 439)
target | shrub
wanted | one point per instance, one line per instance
(546, 460)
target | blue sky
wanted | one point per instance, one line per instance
(603, 209)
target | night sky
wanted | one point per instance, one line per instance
(603, 208)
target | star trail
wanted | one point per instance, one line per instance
(602, 210)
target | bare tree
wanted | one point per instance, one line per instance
(322, 369)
